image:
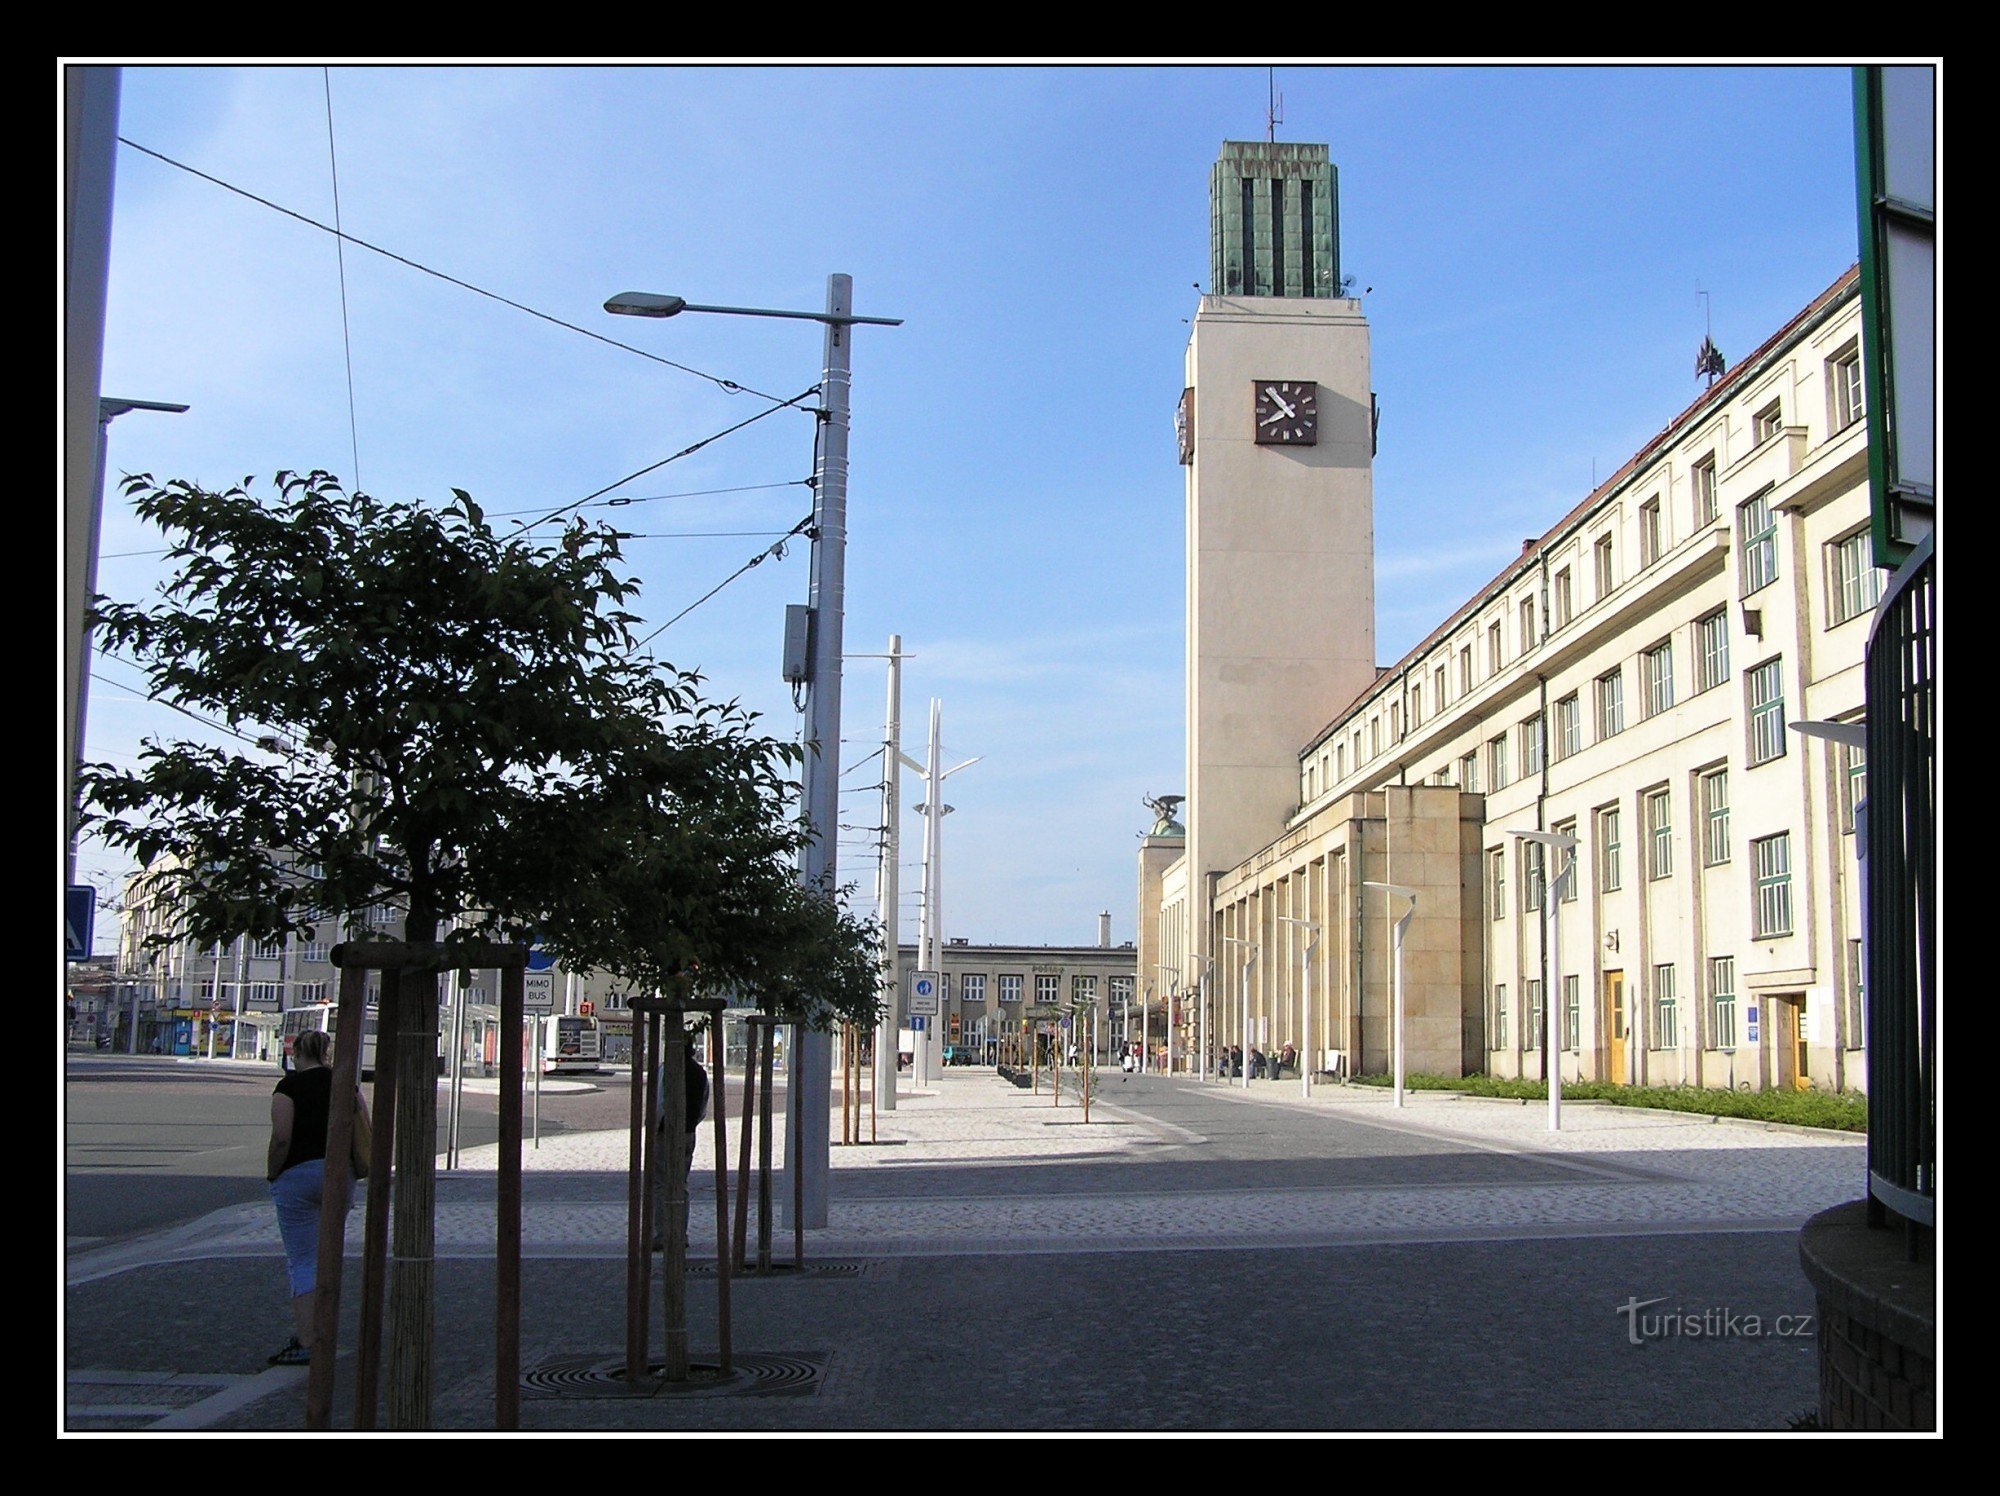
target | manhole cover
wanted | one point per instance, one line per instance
(757, 1374)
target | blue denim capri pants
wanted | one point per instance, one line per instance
(296, 1194)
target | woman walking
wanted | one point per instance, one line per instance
(295, 1168)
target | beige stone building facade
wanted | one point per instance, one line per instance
(1626, 681)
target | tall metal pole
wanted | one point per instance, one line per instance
(808, 1094)
(1306, 1025)
(929, 939)
(888, 884)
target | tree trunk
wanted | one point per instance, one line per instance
(413, 1237)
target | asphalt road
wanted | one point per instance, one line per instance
(152, 1142)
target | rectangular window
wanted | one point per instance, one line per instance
(1496, 762)
(1659, 835)
(1767, 712)
(1566, 885)
(1306, 237)
(268, 950)
(1468, 773)
(1277, 236)
(1651, 541)
(1767, 423)
(1703, 476)
(1569, 726)
(1715, 818)
(1532, 865)
(1601, 554)
(313, 950)
(1528, 638)
(1565, 600)
(1395, 721)
(1374, 736)
(1657, 667)
(1533, 1037)
(1416, 707)
(1437, 687)
(1666, 1014)
(1773, 858)
(1250, 286)
(1853, 585)
(1340, 761)
(1465, 670)
(1119, 990)
(1711, 650)
(1531, 747)
(972, 989)
(1083, 991)
(1758, 532)
(1494, 658)
(1843, 383)
(1499, 1036)
(1496, 880)
(1610, 874)
(1048, 989)
(1572, 1013)
(1854, 785)
(1010, 986)
(1611, 704)
(1722, 1001)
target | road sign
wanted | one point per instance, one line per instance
(539, 959)
(917, 1025)
(79, 921)
(539, 991)
(1750, 1023)
(924, 994)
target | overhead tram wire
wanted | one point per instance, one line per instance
(340, 257)
(776, 549)
(715, 379)
(686, 451)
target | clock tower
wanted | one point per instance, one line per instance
(1277, 434)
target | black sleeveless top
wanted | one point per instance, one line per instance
(312, 1101)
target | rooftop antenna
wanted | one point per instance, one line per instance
(1274, 106)
(1709, 360)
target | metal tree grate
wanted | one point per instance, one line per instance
(756, 1375)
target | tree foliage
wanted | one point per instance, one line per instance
(466, 734)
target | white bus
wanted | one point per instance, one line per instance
(570, 1044)
(324, 1017)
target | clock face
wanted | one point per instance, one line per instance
(1287, 412)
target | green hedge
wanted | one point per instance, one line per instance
(1800, 1108)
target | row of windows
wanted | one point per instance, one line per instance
(1853, 587)
(1665, 1030)
(1009, 987)
(1771, 857)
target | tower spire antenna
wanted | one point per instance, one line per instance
(1709, 360)
(1274, 106)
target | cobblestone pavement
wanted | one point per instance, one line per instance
(1194, 1256)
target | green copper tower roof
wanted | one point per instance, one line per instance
(1274, 220)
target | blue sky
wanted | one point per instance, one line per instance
(1534, 238)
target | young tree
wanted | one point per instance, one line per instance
(472, 740)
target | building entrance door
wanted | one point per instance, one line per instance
(1614, 1027)
(1788, 1040)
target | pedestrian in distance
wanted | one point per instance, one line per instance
(295, 1171)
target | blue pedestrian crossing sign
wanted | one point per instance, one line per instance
(79, 921)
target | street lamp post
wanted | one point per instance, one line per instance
(1402, 926)
(808, 1100)
(1201, 1019)
(1243, 992)
(1306, 1027)
(1552, 897)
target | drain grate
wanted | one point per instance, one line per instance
(758, 1374)
(832, 1267)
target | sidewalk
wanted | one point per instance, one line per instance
(935, 1187)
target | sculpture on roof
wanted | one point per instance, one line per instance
(1163, 807)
